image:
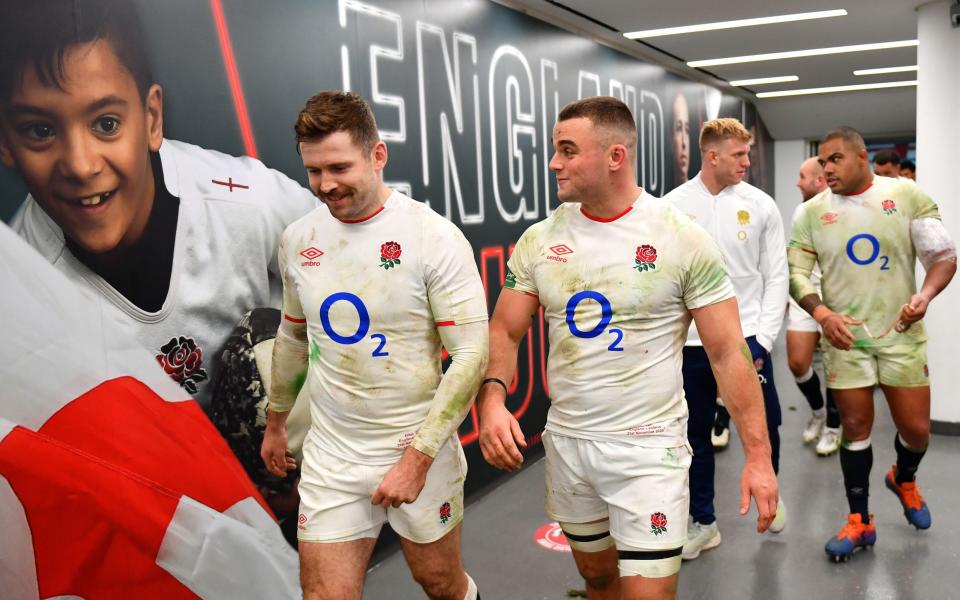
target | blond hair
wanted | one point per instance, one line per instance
(718, 130)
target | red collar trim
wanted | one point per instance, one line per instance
(367, 218)
(601, 220)
(857, 193)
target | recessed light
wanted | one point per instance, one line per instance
(649, 33)
(885, 70)
(765, 80)
(837, 88)
(733, 60)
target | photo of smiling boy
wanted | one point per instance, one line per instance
(177, 240)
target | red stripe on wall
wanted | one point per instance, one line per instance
(236, 90)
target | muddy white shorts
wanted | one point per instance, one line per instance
(335, 498)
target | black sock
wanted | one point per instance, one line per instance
(833, 413)
(907, 461)
(723, 420)
(811, 390)
(856, 465)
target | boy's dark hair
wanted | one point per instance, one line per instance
(886, 156)
(331, 111)
(39, 33)
(908, 164)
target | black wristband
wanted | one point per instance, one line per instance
(494, 380)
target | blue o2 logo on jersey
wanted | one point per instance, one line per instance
(363, 327)
(606, 314)
(856, 253)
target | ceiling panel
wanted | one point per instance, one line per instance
(868, 21)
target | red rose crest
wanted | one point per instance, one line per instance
(658, 523)
(445, 512)
(182, 360)
(389, 255)
(828, 218)
(646, 257)
(888, 207)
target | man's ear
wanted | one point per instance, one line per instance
(154, 110)
(379, 156)
(617, 157)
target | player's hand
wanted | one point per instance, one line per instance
(276, 456)
(835, 329)
(404, 481)
(912, 312)
(759, 481)
(500, 436)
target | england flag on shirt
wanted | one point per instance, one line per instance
(113, 484)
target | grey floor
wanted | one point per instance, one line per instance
(507, 564)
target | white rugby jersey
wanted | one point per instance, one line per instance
(232, 211)
(863, 244)
(617, 295)
(373, 294)
(746, 224)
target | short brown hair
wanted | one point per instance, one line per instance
(848, 134)
(331, 111)
(608, 114)
(716, 130)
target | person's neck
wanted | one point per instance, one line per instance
(613, 204)
(711, 182)
(863, 185)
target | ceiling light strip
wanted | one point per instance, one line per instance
(764, 80)
(837, 88)
(650, 33)
(733, 60)
(885, 70)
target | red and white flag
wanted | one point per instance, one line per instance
(113, 483)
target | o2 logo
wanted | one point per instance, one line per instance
(606, 313)
(874, 252)
(362, 328)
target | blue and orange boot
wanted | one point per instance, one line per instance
(914, 508)
(854, 536)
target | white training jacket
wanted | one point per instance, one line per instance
(745, 222)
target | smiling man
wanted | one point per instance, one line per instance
(745, 223)
(637, 271)
(374, 284)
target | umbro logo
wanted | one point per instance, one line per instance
(558, 251)
(311, 254)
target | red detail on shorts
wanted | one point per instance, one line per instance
(233, 76)
(294, 319)
(445, 323)
(367, 218)
(602, 220)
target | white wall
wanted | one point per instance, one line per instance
(787, 156)
(938, 127)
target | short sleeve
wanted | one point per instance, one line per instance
(801, 238)
(706, 281)
(454, 289)
(923, 205)
(520, 267)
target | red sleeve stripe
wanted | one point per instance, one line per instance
(445, 323)
(809, 251)
(294, 319)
